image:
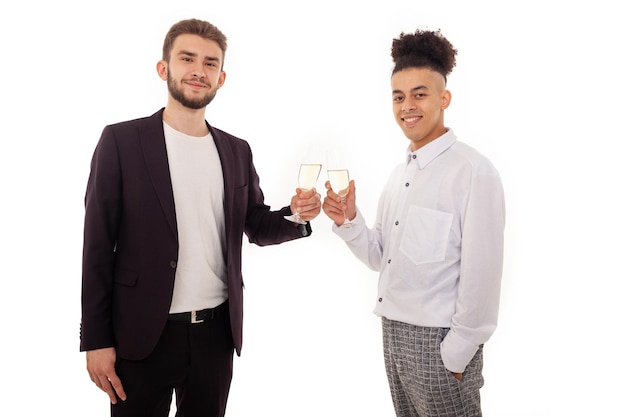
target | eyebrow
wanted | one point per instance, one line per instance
(193, 54)
(419, 87)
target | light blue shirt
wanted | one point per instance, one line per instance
(438, 245)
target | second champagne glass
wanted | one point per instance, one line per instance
(339, 179)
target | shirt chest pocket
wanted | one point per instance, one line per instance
(425, 235)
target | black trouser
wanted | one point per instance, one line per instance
(193, 359)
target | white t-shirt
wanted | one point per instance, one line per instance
(198, 186)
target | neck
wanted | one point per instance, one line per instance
(417, 144)
(188, 121)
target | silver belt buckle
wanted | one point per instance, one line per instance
(194, 317)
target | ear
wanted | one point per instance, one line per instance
(221, 79)
(161, 68)
(446, 97)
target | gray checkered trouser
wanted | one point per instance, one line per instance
(420, 384)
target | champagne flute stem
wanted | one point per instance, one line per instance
(346, 222)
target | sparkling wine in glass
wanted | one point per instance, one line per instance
(307, 178)
(339, 179)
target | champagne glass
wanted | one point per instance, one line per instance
(307, 178)
(339, 178)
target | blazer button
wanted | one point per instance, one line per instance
(173, 264)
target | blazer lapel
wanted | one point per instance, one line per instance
(152, 141)
(226, 155)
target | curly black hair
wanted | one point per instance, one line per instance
(423, 49)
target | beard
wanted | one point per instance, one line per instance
(179, 95)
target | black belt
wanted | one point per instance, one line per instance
(199, 316)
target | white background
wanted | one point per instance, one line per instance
(538, 88)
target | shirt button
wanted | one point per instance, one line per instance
(414, 156)
(173, 264)
(406, 185)
(388, 261)
(397, 222)
(380, 300)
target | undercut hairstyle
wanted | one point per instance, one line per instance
(193, 27)
(423, 49)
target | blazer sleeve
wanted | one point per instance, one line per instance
(263, 225)
(245, 207)
(102, 217)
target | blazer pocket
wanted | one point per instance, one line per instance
(425, 237)
(126, 277)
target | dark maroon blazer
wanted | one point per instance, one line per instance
(130, 247)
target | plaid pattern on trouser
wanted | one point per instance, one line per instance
(420, 384)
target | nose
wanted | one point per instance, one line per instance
(408, 105)
(198, 70)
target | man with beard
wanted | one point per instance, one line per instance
(168, 200)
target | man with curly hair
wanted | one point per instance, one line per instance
(437, 243)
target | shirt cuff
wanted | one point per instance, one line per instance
(456, 352)
(350, 228)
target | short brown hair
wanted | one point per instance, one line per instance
(193, 27)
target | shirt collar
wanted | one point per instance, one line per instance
(427, 153)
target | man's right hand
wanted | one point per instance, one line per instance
(101, 368)
(335, 209)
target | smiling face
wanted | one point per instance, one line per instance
(419, 100)
(194, 71)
